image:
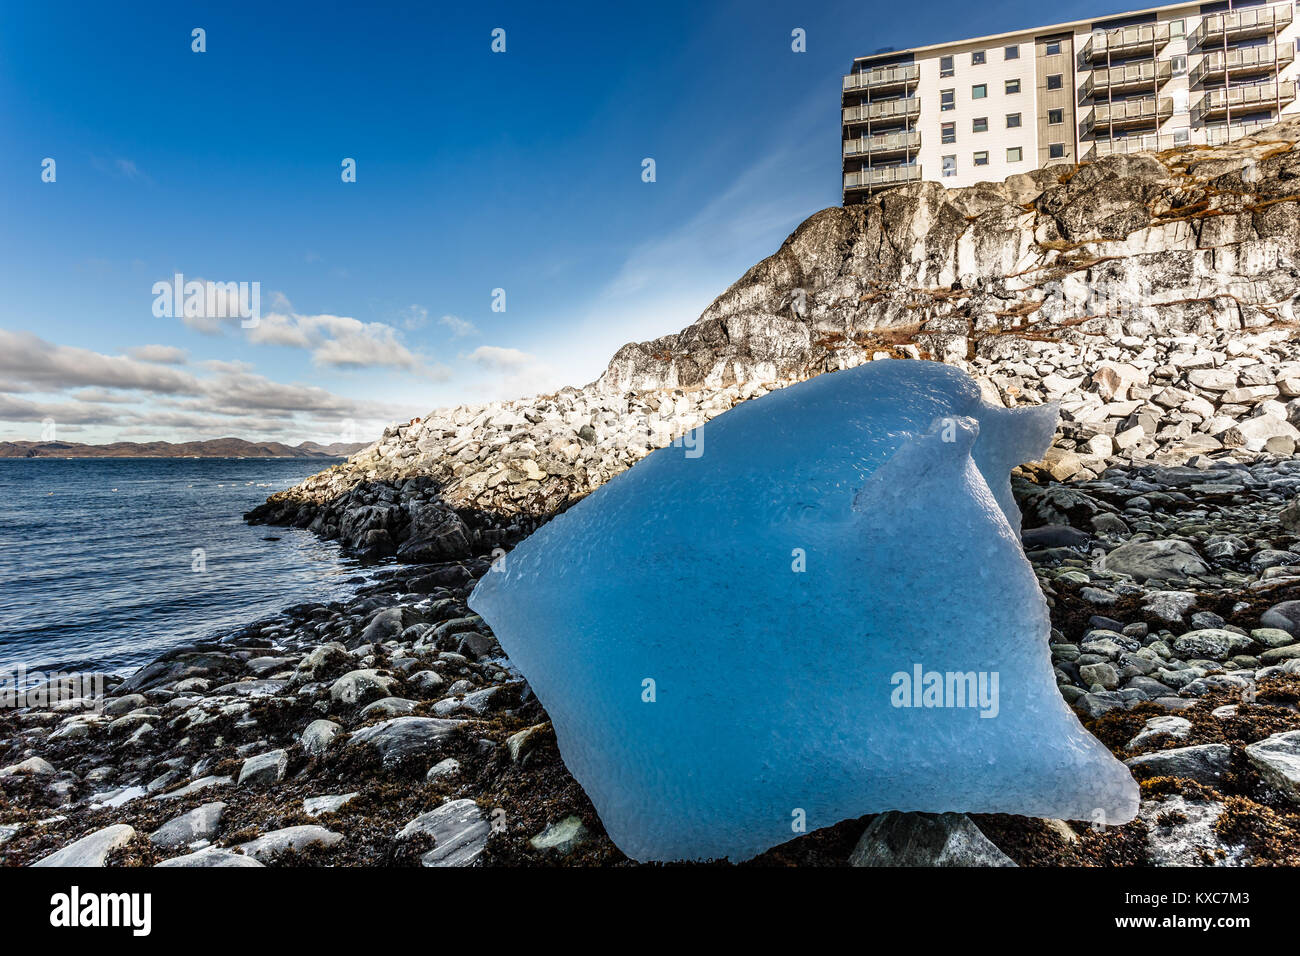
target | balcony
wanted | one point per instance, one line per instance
(1126, 41)
(1230, 133)
(1125, 145)
(906, 107)
(1218, 28)
(1124, 114)
(1262, 96)
(1147, 74)
(881, 176)
(901, 76)
(1242, 61)
(883, 144)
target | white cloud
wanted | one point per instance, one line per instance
(109, 393)
(496, 357)
(105, 395)
(159, 354)
(334, 341)
(42, 366)
(339, 341)
(213, 305)
(513, 373)
(460, 328)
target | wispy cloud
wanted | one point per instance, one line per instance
(513, 373)
(129, 169)
(122, 167)
(415, 317)
(460, 328)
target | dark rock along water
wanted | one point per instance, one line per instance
(96, 557)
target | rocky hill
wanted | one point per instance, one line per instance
(1153, 295)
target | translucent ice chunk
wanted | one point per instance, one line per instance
(818, 609)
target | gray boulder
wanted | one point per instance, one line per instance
(318, 734)
(90, 850)
(1168, 560)
(1285, 616)
(404, 737)
(1276, 655)
(388, 707)
(201, 823)
(925, 839)
(264, 769)
(561, 838)
(32, 765)
(1211, 643)
(1277, 758)
(330, 803)
(361, 687)
(1176, 728)
(211, 857)
(1204, 763)
(270, 845)
(459, 831)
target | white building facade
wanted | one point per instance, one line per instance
(982, 109)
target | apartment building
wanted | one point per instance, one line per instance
(982, 109)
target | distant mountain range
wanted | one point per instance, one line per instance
(212, 448)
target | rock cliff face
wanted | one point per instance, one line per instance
(1153, 295)
(1137, 247)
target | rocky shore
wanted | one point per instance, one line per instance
(389, 729)
(1152, 296)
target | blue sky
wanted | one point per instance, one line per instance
(475, 171)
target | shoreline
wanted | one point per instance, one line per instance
(312, 458)
(388, 729)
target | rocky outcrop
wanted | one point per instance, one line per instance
(1186, 242)
(1152, 295)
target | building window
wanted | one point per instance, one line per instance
(1054, 81)
(1178, 64)
(979, 91)
(1013, 121)
(1014, 154)
(947, 100)
(981, 159)
(1055, 116)
(1180, 137)
(976, 58)
(1011, 53)
(1056, 150)
(1053, 48)
(945, 66)
(1013, 86)
(1177, 28)
(1180, 101)
(947, 132)
(950, 166)
(979, 124)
